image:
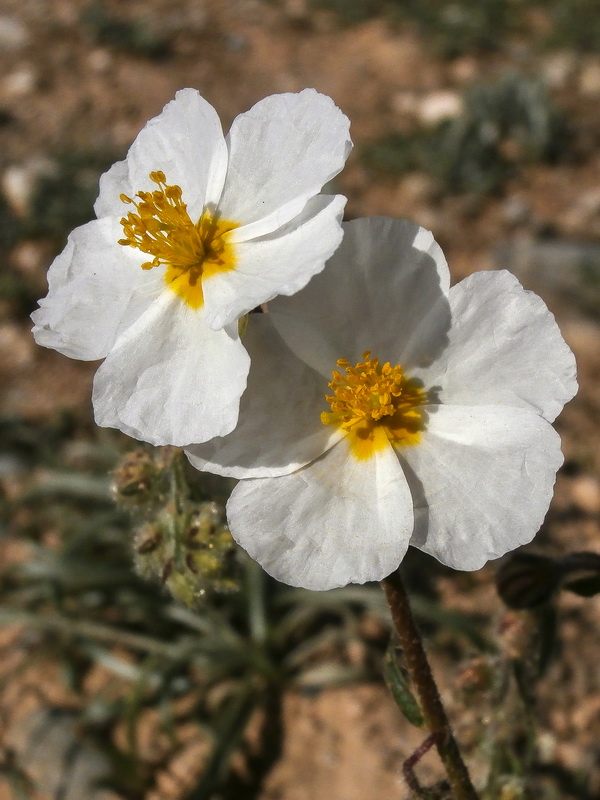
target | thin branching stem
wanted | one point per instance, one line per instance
(423, 681)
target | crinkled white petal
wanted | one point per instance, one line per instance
(336, 521)
(482, 479)
(504, 348)
(96, 288)
(281, 153)
(279, 427)
(186, 142)
(113, 183)
(384, 290)
(280, 263)
(170, 379)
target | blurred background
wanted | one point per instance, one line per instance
(479, 119)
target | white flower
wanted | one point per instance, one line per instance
(432, 430)
(194, 230)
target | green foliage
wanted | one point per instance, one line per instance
(575, 25)
(351, 13)
(228, 655)
(135, 38)
(65, 199)
(452, 28)
(463, 26)
(505, 123)
(398, 686)
(9, 226)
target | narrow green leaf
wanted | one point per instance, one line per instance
(228, 732)
(398, 686)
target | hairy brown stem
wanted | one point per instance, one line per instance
(422, 679)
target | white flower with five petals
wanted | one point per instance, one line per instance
(385, 408)
(193, 230)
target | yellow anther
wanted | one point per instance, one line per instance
(161, 227)
(375, 404)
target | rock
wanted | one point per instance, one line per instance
(589, 77)
(582, 213)
(465, 69)
(558, 68)
(100, 60)
(417, 188)
(585, 492)
(297, 10)
(236, 42)
(28, 257)
(13, 34)
(405, 102)
(19, 83)
(516, 211)
(59, 758)
(438, 106)
(583, 337)
(16, 348)
(19, 182)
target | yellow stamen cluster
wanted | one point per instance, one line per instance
(371, 400)
(161, 227)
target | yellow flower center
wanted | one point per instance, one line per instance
(162, 228)
(375, 404)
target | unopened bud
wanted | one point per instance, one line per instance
(140, 482)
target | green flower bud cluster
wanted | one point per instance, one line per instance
(141, 480)
(181, 542)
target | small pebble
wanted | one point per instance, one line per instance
(16, 348)
(405, 102)
(28, 257)
(558, 69)
(585, 491)
(13, 34)
(100, 60)
(439, 106)
(19, 183)
(589, 77)
(19, 83)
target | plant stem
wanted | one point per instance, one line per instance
(426, 689)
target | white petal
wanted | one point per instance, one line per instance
(482, 480)
(279, 427)
(186, 142)
(384, 289)
(504, 348)
(113, 183)
(281, 153)
(170, 379)
(96, 288)
(280, 263)
(336, 521)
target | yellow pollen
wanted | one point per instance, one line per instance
(375, 404)
(162, 228)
